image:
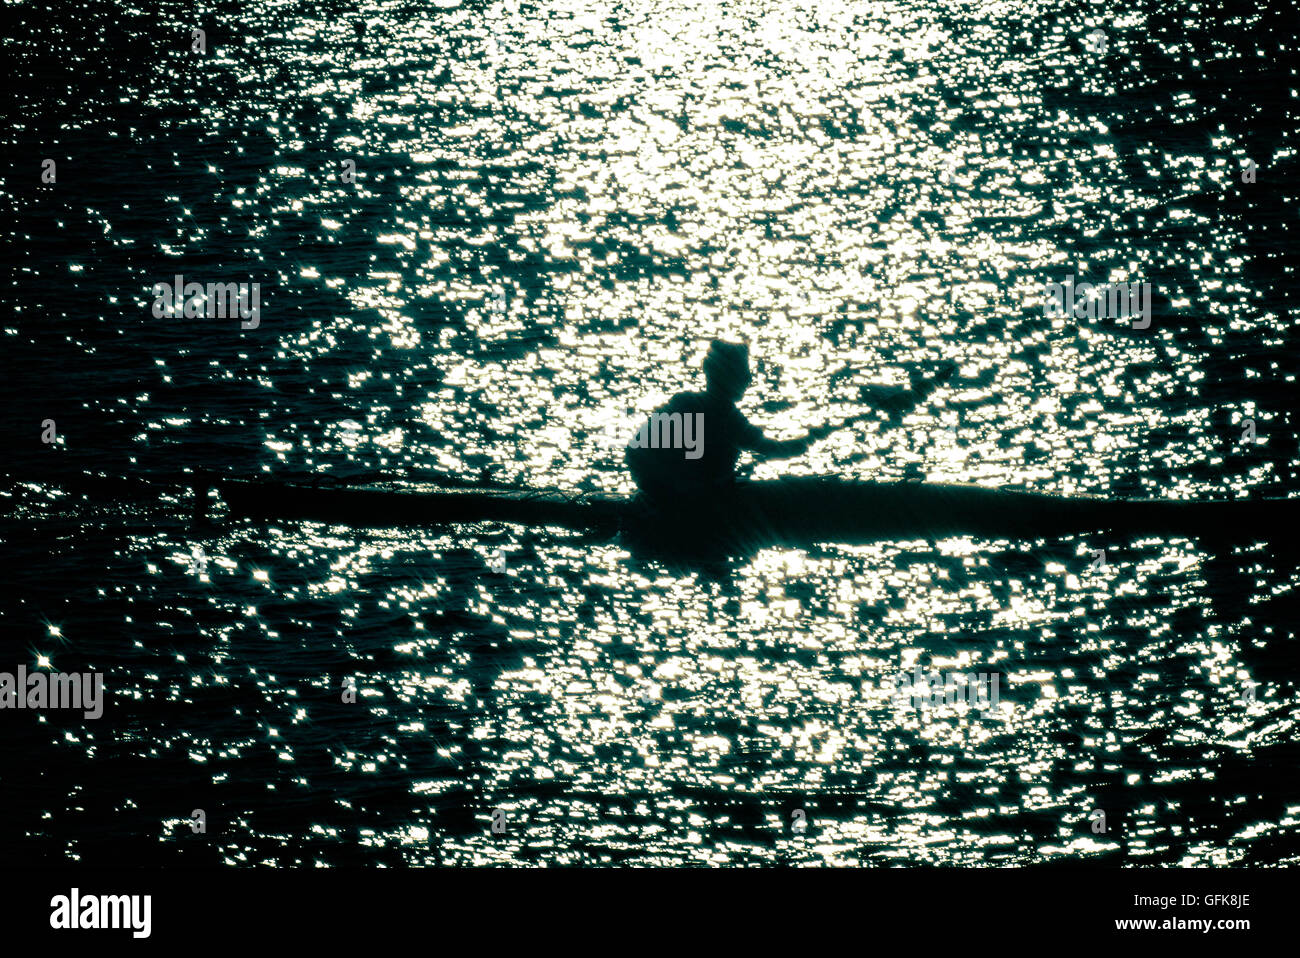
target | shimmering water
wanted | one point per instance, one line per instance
(555, 207)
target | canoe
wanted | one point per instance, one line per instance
(794, 511)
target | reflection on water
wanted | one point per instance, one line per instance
(555, 206)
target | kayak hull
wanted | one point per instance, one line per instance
(796, 510)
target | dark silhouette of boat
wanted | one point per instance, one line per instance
(788, 511)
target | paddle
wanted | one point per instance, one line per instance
(894, 401)
(821, 432)
(897, 401)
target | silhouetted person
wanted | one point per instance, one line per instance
(689, 446)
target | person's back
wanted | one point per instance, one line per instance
(689, 446)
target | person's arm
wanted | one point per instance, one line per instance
(759, 444)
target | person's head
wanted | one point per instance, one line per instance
(726, 369)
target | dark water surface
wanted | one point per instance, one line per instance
(556, 206)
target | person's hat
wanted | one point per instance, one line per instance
(730, 361)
